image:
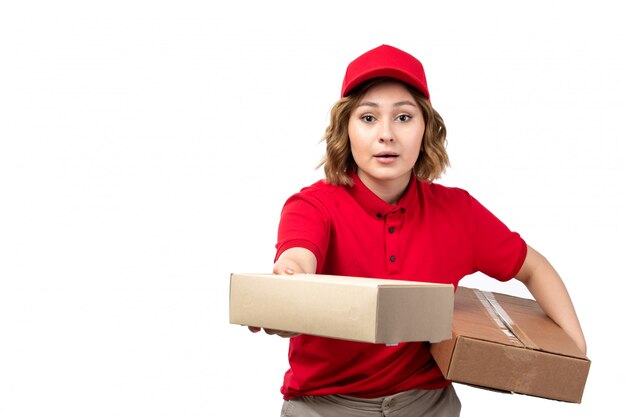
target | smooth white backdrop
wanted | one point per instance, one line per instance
(146, 149)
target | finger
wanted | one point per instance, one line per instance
(281, 333)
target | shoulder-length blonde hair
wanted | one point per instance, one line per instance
(338, 161)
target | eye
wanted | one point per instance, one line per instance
(404, 117)
(368, 118)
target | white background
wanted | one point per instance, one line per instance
(146, 149)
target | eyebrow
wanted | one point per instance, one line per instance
(398, 104)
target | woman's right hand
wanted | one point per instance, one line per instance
(291, 261)
(279, 269)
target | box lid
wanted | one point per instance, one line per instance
(512, 321)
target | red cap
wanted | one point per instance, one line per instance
(385, 61)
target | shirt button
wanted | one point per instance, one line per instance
(379, 215)
(391, 230)
(392, 259)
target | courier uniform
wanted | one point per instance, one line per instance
(434, 234)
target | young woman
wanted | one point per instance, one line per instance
(379, 214)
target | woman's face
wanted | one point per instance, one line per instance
(386, 130)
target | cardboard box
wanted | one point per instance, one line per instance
(507, 343)
(350, 308)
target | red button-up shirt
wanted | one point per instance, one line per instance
(434, 234)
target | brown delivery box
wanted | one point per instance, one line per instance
(350, 308)
(507, 343)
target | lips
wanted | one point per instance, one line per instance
(386, 157)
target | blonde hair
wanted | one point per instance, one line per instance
(338, 161)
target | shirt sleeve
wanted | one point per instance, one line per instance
(498, 252)
(304, 223)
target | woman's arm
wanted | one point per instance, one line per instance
(292, 261)
(548, 289)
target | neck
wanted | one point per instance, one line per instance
(389, 190)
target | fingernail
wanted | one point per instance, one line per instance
(289, 271)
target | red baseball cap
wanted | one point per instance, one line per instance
(385, 61)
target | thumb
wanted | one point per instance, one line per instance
(282, 269)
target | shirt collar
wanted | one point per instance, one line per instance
(377, 207)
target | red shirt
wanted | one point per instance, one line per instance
(434, 234)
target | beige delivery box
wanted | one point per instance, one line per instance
(507, 343)
(349, 308)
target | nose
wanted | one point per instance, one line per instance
(385, 134)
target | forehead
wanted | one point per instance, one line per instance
(388, 90)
